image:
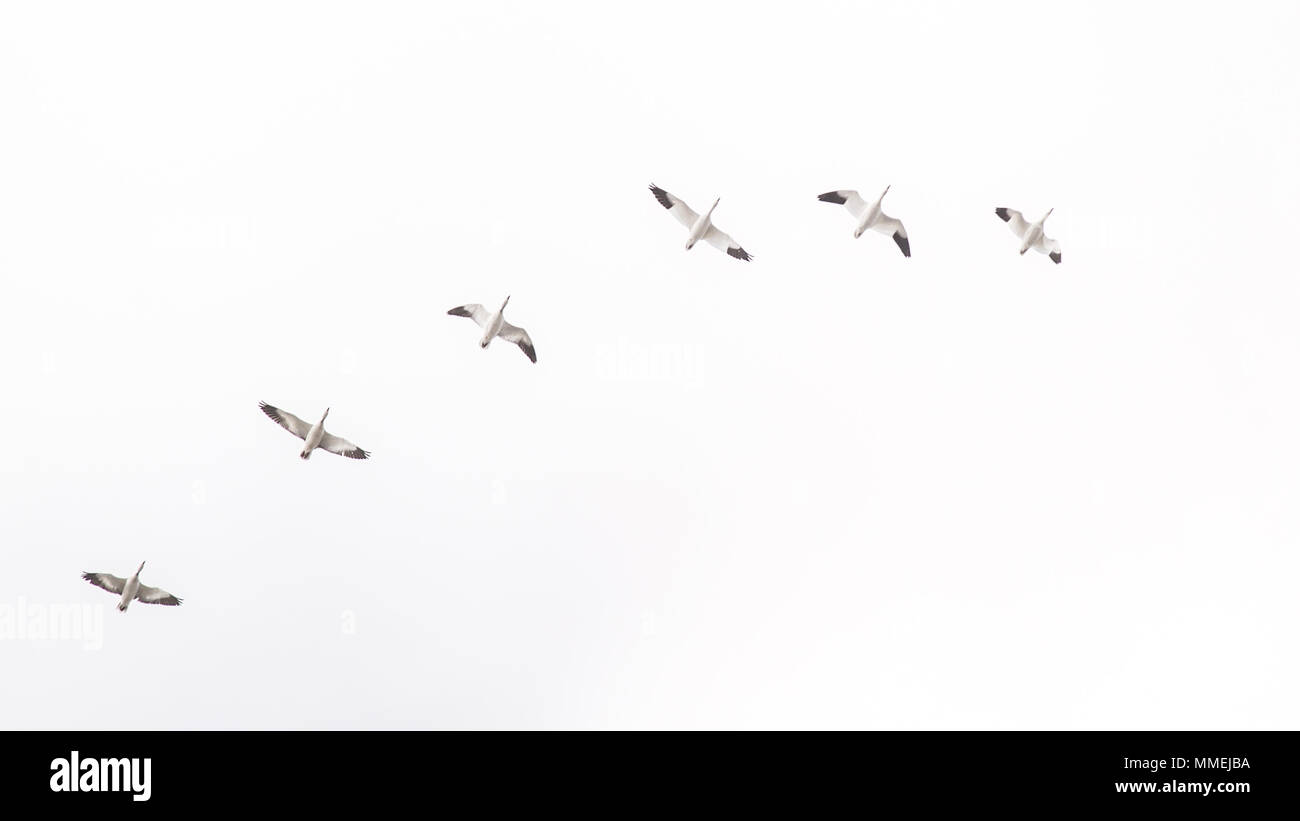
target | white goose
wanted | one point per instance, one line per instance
(870, 216)
(494, 324)
(701, 227)
(1031, 236)
(131, 589)
(313, 435)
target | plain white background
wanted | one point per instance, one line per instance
(829, 488)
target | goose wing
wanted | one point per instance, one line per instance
(1050, 247)
(111, 583)
(676, 207)
(155, 595)
(720, 240)
(341, 446)
(894, 227)
(286, 420)
(1013, 219)
(518, 336)
(473, 311)
(849, 199)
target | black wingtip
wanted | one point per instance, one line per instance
(1002, 213)
(740, 253)
(903, 244)
(1056, 257)
(661, 195)
(832, 196)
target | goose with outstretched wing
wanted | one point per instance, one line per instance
(313, 436)
(130, 589)
(700, 227)
(1031, 234)
(494, 324)
(869, 216)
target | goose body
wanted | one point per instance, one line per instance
(312, 440)
(702, 225)
(494, 324)
(313, 436)
(1031, 234)
(130, 589)
(699, 226)
(870, 216)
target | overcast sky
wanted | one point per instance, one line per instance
(832, 487)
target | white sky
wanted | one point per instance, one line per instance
(962, 490)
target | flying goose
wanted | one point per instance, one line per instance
(1031, 236)
(314, 435)
(131, 589)
(494, 324)
(870, 216)
(700, 227)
